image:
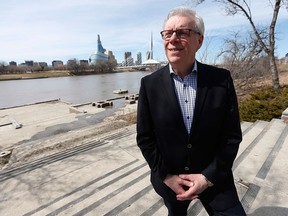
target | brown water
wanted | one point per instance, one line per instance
(76, 89)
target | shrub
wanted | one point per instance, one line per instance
(264, 104)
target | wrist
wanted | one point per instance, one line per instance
(209, 183)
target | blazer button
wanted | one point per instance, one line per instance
(186, 168)
(189, 146)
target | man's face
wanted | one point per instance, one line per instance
(182, 51)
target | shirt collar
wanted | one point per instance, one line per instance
(193, 70)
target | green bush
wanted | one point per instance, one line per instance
(264, 104)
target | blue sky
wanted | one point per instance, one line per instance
(61, 30)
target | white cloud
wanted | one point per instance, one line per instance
(57, 29)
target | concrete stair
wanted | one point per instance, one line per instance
(108, 176)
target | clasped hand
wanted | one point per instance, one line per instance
(186, 186)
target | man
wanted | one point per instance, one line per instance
(188, 126)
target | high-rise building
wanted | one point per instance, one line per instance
(128, 60)
(127, 55)
(139, 59)
(111, 57)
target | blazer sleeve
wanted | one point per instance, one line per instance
(231, 136)
(146, 139)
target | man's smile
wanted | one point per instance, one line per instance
(175, 49)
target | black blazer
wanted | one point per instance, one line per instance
(212, 144)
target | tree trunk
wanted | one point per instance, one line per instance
(274, 72)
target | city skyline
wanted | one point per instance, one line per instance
(61, 30)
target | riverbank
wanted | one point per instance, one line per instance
(50, 74)
(55, 126)
(35, 75)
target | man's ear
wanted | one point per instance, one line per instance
(200, 41)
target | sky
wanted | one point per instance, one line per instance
(44, 31)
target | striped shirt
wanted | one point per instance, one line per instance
(186, 93)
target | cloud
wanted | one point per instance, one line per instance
(58, 29)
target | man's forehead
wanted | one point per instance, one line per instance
(179, 21)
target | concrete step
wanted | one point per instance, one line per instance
(97, 192)
(112, 178)
(257, 159)
(245, 125)
(255, 148)
(250, 134)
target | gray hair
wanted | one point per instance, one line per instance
(187, 12)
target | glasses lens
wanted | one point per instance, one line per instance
(180, 33)
(183, 33)
(167, 34)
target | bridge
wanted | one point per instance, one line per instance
(142, 67)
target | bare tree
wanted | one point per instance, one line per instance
(245, 59)
(266, 38)
(203, 53)
(104, 66)
(73, 66)
(3, 67)
(241, 54)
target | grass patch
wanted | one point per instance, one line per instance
(45, 74)
(131, 118)
(264, 104)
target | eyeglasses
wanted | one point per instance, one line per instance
(180, 33)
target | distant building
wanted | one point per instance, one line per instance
(71, 61)
(57, 64)
(84, 62)
(149, 57)
(101, 54)
(111, 57)
(149, 53)
(127, 55)
(128, 60)
(139, 59)
(29, 63)
(43, 65)
(12, 63)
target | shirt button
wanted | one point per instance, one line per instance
(189, 146)
(186, 168)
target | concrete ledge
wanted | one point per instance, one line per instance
(285, 115)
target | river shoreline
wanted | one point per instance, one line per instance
(51, 74)
(38, 75)
(54, 126)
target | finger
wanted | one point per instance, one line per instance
(180, 191)
(185, 176)
(187, 195)
(195, 197)
(187, 183)
(182, 197)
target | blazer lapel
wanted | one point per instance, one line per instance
(169, 94)
(202, 89)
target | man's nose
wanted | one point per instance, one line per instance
(174, 37)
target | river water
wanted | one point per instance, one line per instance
(74, 89)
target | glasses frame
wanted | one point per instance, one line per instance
(177, 33)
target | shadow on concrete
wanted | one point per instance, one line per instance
(270, 211)
(81, 122)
